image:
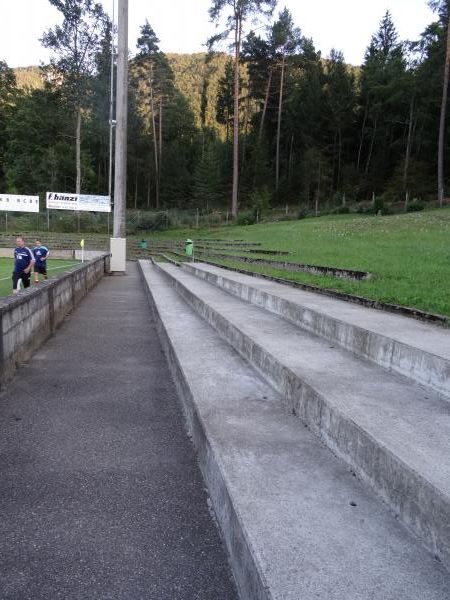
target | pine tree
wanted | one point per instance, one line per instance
(340, 95)
(442, 6)
(382, 99)
(286, 40)
(238, 11)
(225, 98)
(8, 92)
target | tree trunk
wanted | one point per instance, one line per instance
(280, 109)
(333, 166)
(266, 102)
(318, 189)
(237, 53)
(372, 142)
(160, 133)
(78, 152)
(442, 121)
(291, 158)
(246, 122)
(361, 142)
(338, 182)
(155, 141)
(408, 144)
(136, 187)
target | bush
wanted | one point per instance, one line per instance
(415, 205)
(247, 218)
(302, 213)
(260, 199)
(147, 221)
(379, 207)
(340, 210)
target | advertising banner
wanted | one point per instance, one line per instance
(94, 203)
(81, 202)
(19, 203)
(62, 201)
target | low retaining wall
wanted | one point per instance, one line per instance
(28, 319)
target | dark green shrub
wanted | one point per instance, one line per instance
(247, 218)
(340, 210)
(415, 205)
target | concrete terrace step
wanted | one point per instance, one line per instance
(420, 351)
(394, 434)
(296, 522)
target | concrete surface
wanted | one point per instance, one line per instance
(30, 317)
(421, 351)
(101, 497)
(298, 524)
(392, 432)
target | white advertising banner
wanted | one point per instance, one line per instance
(81, 202)
(59, 201)
(94, 203)
(19, 203)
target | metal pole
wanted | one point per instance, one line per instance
(120, 178)
(111, 107)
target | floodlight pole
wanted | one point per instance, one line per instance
(118, 243)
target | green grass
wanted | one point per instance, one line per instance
(409, 254)
(54, 267)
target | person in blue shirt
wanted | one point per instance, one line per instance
(23, 263)
(41, 253)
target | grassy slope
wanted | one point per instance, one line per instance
(408, 254)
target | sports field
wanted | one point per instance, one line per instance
(54, 267)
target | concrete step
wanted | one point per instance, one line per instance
(296, 522)
(392, 432)
(421, 351)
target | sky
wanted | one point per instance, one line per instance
(183, 25)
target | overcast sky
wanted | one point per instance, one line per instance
(183, 25)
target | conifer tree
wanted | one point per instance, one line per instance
(286, 40)
(7, 93)
(442, 7)
(237, 12)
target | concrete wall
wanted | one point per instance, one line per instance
(28, 319)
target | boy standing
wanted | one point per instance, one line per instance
(23, 263)
(41, 253)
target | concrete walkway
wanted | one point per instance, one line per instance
(100, 493)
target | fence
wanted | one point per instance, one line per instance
(59, 221)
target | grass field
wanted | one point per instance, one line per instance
(6, 266)
(409, 255)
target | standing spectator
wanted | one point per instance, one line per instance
(23, 263)
(41, 253)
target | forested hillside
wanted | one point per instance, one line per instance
(313, 131)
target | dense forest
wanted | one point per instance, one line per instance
(304, 130)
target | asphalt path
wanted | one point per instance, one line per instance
(101, 497)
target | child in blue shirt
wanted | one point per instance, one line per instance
(41, 253)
